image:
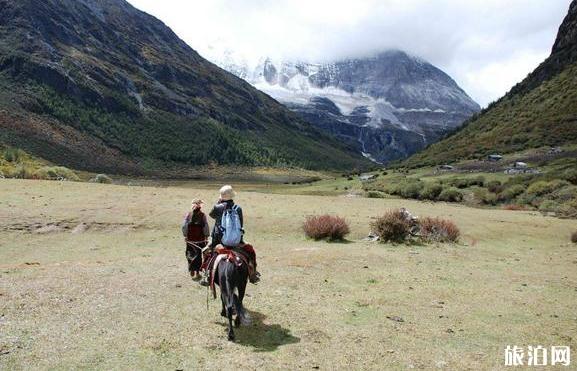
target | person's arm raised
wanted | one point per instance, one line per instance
(215, 210)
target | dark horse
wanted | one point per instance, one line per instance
(232, 278)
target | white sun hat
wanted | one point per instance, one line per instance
(227, 193)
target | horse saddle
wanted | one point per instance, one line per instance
(234, 255)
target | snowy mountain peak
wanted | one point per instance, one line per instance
(389, 105)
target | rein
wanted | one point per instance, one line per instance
(196, 244)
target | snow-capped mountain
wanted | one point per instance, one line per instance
(387, 106)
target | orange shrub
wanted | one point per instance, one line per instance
(439, 230)
(320, 227)
(513, 207)
(392, 226)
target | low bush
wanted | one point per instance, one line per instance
(22, 171)
(565, 194)
(431, 191)
(412, 190)
(407, 189)
(548, 206)
(13, 154)
(485, 197)
(439, 230)
(451, 194)
(329, 227)
(513, 207)
(392, 226)
(570, 175)
(542, 187)
(567, 210)
(468, 182)
(494, 186)
(509, 193)
(56, 173)
(460, 183)
(375, 194)
(101, 178)
(477, 181)
(574, 237)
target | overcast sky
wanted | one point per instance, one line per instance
(485, 45)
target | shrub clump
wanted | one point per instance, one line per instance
(408, 188)
(541, 187)
(485, 197)
(329, 227)
(439, 230)
(548, 206)
(22, 171)
(101, 178)
(494, 186)
(574, 237)
(393, 226)
(451, 194)
(56, 173)
(468, 182)
(509, 193)
(375, 194)
(513, 207)
(431, 191)
(570, 175)
(13, 154)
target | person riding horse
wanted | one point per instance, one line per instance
(195, 230)
(226, 202)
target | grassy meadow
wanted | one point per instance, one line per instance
(93, 276)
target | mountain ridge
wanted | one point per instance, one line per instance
(539, 111)
(101, 71)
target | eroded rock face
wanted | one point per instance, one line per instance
(567, 35)
(563, 54)
(388, 106)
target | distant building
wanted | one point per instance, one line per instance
(494, 157)
(515, 171)
(520, 165)
(446, 167)
(365, 177)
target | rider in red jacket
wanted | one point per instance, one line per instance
(196, 231)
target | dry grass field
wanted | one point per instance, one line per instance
(94, 277)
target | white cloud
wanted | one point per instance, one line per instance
(485, 45)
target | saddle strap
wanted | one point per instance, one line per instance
(229, 255)
(212, 268)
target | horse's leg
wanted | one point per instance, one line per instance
(243, 315)
(227, 290)
(239, 311)
(229, 310)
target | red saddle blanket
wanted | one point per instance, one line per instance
(239, 256)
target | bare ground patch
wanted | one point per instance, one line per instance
(70, 226)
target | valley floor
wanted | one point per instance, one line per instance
(94, 276)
